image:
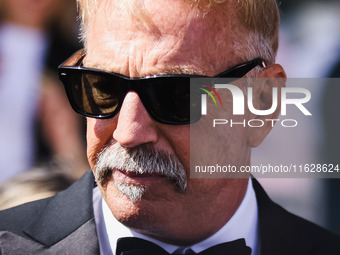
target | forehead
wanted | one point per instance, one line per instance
(138, 38)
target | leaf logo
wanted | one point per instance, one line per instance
(210, 94)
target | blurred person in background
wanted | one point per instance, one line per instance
(41, 182)
(39, 124)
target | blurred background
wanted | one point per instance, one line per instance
(43, 141)
(309, 48)
(38, 128)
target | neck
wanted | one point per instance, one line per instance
(193, 226)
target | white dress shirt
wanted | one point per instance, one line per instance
(243, 224)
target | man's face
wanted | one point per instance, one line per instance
(160, 37)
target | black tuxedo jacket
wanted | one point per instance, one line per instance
(64, 224)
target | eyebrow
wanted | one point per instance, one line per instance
(184, 70)
(178, 69)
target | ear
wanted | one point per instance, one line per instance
(269, 78)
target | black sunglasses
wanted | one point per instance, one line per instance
(167, 98)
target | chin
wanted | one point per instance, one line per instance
(124, 208)
(148, 213)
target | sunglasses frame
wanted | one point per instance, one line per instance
(74, 64)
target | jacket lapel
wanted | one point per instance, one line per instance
(67, 219)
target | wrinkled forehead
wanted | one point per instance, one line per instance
(162, 13)
(163, 30)
(145, 18)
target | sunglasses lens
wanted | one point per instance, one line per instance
(94, 94)
(170, 100)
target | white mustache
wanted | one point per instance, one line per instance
(140, 160)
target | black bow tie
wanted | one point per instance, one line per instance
(137, 246)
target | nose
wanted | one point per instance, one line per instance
(134, 125)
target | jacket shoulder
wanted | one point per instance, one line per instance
(16, 218)
(307, 237)
(61, 213)
(282, 232)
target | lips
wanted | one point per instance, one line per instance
(139, 175)
(133, 178)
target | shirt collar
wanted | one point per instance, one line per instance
(243, 224)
